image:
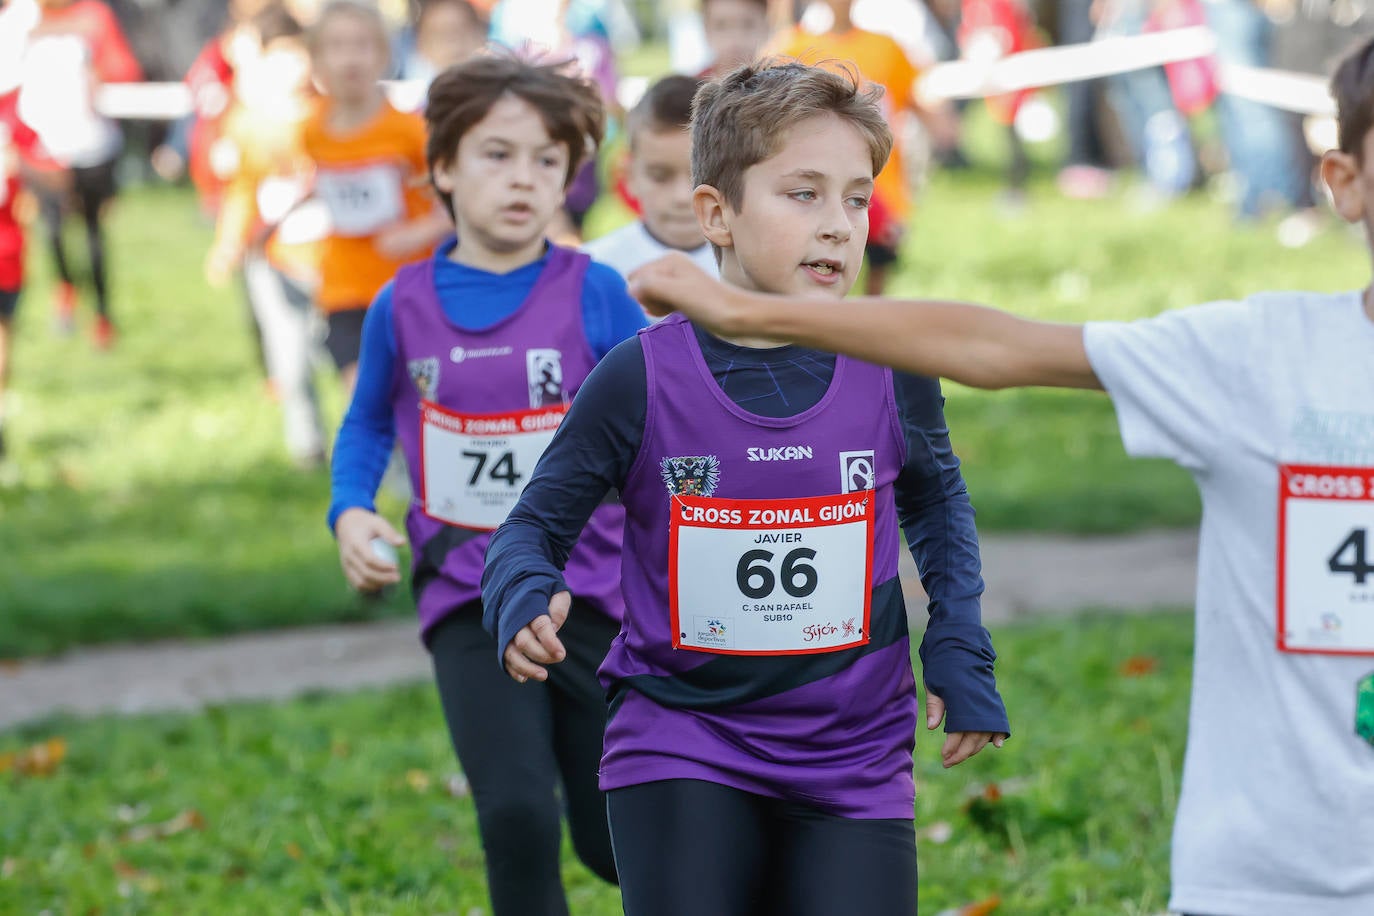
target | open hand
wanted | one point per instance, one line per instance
(537, 644)
(959, 746)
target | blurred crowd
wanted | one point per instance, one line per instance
(290, 210)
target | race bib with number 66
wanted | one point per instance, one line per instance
(770, 576)
(474, 466)
(1326, 560)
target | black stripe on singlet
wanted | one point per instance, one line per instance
(436, 549)
(729, 680)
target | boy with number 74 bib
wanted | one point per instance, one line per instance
(470, 358)
(763, 708)
(1270, 403)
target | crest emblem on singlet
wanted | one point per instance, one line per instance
(425, 374)
(544, 370)
(691, 475)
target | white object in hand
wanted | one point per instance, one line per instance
(383, 551)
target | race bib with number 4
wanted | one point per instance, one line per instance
(475, 466)
(1326, 560)
(770, 576)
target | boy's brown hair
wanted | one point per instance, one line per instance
(1352, 86)
(739, 119)
(666, 105)
(569, 105)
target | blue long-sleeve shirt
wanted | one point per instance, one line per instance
(597, 444)
(473, 299)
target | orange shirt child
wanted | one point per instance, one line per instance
(880, 60)
(373, 181)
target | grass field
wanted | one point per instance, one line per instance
(147, 494)
(346, 805)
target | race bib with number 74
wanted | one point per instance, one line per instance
(1326, 560)
(770, 576)
(475, 466)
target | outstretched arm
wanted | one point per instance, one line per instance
(970, 344)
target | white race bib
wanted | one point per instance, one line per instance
(474, 467)
(770, 576)
(1326, 560)
(361, 200)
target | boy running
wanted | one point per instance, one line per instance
(470, 358)
(368, 158)
(660, 178)
(763, 707)
(1270, 403)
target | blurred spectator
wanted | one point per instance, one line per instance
(1085, 173)
(269, 227)
(569, 29)
(446, 32)
(191, 145)
(73, 48)
(881, 60)
(736, 31)
(370, 172)
(16, 139)
(1157, 134)
(1260, 145)
(990, 30)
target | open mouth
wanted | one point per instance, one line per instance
(824, 268)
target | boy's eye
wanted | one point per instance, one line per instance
(496, 154)
(806, 194)
(549, 162)
(859, 202)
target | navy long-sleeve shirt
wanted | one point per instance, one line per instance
(597, 444)
(472, 299)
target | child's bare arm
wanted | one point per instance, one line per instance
(971, 344)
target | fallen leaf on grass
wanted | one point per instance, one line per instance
(190, 819)
(10, 666)
(980, 908)
(38, 760)
(457, 786)
(293, 850)
(1138, 666)
(418, 779)
(8, 868)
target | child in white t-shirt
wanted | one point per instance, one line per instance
(1270, 403)
(660, 179)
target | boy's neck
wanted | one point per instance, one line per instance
(347, 114)
(479, 257)
(732, 275)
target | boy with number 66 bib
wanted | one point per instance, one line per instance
(471, 358)
(1270, 403)
(763, 708)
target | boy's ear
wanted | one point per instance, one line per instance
(713, 214)
(1341, 173)
(443, 177)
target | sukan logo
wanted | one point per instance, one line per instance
(786, 453)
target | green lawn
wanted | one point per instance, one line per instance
(342, 804)
(147, 493)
